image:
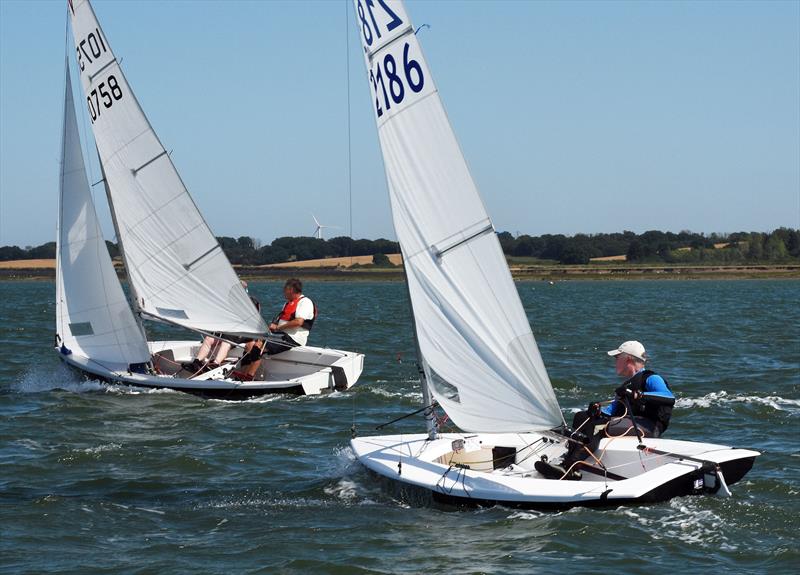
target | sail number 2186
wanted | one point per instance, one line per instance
(391, 79)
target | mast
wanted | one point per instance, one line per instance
(59, 280)
(134, 296)
(427, 399)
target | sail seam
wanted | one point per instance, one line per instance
(116, 152)
(393, 115)
(165, 247)
(96, 74)
(403, 34)
(154, 212)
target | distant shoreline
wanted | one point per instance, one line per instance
(45, 269)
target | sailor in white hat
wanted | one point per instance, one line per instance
(643, 405)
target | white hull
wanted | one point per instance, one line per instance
(302, 370)
(469, 475)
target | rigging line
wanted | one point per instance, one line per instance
(101, 245)
(349, 122)
(59, 225)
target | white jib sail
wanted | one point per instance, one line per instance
(478, 351)
(93, 317)
(176, 266)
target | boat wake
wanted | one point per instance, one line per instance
(690, 522)
(61, 378)
(267, 398)
(351, 483)
(415, 396)
(718, 398)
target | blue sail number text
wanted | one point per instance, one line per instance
(371, 32)
(390, 85)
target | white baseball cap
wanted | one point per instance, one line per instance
(632, 348)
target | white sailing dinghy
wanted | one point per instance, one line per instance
(478, 358)
(177, 270)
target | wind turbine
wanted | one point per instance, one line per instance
(320, 227)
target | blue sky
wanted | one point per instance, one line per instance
(575, 117)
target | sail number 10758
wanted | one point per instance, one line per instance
(391, 79)
(106, 93)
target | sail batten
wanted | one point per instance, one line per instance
(476, 345)
(173, 260)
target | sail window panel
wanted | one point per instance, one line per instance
(442, 387)
(172, 313)
(81, 329)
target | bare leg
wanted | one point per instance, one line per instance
(222, 352)
(205, 348)
(249, 369)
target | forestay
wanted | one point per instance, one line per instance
(478, 351)
(177, 268)
(93, 318)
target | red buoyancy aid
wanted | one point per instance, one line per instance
(289, 309)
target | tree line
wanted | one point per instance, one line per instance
(781, 245)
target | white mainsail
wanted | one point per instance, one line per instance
(93, 317)
(177, 268)
(479, 354)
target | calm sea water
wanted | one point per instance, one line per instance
(99, 479)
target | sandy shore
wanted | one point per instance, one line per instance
(28, 265)
(347, 262)
(340, 269)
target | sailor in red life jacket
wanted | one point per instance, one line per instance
(289, 329)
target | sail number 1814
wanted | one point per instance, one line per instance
(370, 30)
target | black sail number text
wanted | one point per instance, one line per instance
(103, 96)
(90, 48)
(392, 80)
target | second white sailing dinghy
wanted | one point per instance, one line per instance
(177, 270)
(478, 357)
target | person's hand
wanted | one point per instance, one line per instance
(273, 327)
(624, 391)
(593, 410)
